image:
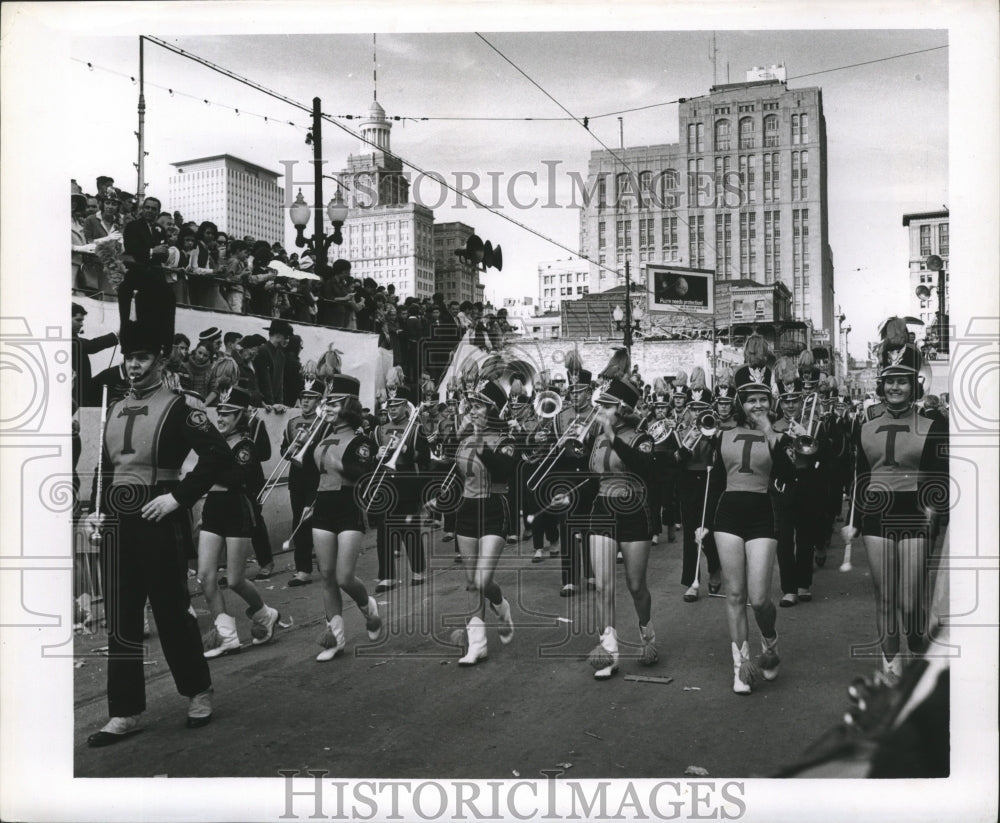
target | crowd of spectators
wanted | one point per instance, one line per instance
(202, 266)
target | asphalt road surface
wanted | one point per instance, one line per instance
(403, 708)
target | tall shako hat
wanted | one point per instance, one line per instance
(723, 392)
(343, 385)
(233, 400)
(489, 392)
(401, 397)
(137, 337)
(619, 392)
(582, 382)
(906, 360)
(310, 389)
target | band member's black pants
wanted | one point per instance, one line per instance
(140, 560)
(302, 496)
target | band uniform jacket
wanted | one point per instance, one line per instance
(622, 464)
(147, 439)
(485, 462)
(304, 477)
(413, 462)
(342, 457)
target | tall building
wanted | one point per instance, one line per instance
(456, 278)
(928, 235)
(241, 198)
(560, 280)
(386, 237)
(743, 193)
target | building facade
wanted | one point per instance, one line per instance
(560, 280)
(241, 198)
(743, 193)
(928, 235)
(386, 237)
(455, 277)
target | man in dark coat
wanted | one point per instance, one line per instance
(269, 365)
(85, 392)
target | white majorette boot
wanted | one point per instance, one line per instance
(224, 639)
(476, 633)
(332, 641)
(649, 654)
(505, 625)
(769, 660)
(373, 623)
(604, 657)
(744, 671)
(264, 621)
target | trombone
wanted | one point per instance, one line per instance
(393, 450)
(575, 438)
(293, 454)
(805, 444)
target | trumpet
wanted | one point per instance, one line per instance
(311, 438)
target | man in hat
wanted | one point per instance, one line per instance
(396, 507)
(245, 352)
(80, 349)
(574, 555)
(269, 365)
(212, 338)
(146, 243)
(303, 480)
(147, 439)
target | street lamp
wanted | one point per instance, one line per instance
(618, 315)
(300, 211)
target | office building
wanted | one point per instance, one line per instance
(928, 236)
(560, 280)
(241, 198)
(455, 277)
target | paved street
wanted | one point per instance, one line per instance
(403, 708)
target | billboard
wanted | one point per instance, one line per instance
(673, 288)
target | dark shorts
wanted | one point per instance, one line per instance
(338, 511)
(748, 515)
(481, 516)
(894, 516)
(227, 514)
(625, 520)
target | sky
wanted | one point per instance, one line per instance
(887, 124)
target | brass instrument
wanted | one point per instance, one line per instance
(547, 404)
(705, 425)
(95, 533)
(574, 438)
(393, 449)
(310, 440)
(660, 430)
(805, 444)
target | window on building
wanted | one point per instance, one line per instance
(796, 172)
(737, 309)
(696, 178)
(645, 189)
(758, 309)
(670, 248)
(943, 239)
(669, 184)
(696, 241)
(724, 244)
(696, 138)
(746, 132)
(722, 135)
(748, 244)
(602, 191)
(925, 241)
(771, 130)
(622, 188)
(772, 165)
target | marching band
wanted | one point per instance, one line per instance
(754, 471)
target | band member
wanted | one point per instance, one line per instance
(483, 463)
(694, 454)
(147, 438)
(574, 552)
(227, 520)
(664, 490)
(900, 499)
(520, 417)
(724, 404)
(443, 455)
(396, 503)
(621, 520)
(697, 390)
(748, 458)
(538, 437)
(303, 481)
(342, 457)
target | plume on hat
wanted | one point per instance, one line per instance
(516, 387)
(470, 373)
(395, 376)
(618, 366)
(806, 362)
(697, 378)
(329, 364)
(755, 352)
(110, 254)
(573, 362)
(681, 379)
(785, 369)
(724, 377)
(894, 333)
(660, 386)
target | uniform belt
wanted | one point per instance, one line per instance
(219, 488)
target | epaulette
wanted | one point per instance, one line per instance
(876, 410)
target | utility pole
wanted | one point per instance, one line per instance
(628, 309)
(140, 166)
(319, 247)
